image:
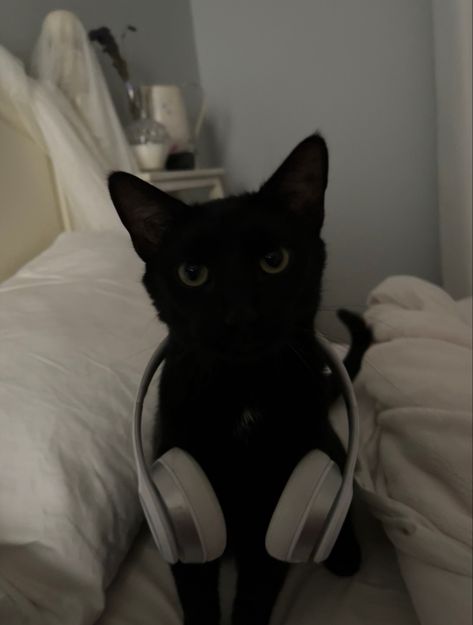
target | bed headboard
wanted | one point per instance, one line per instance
(30, 211)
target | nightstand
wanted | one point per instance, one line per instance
(188, 179)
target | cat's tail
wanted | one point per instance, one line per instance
(361, 338)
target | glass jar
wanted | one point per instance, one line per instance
(149, 140)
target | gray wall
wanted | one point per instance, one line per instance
(163, 49)
(361, 72)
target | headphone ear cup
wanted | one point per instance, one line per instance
(298, 522)
(158, 520)
(191, 505)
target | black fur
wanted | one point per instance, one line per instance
(243, 344)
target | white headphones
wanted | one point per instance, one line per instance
(185, 517)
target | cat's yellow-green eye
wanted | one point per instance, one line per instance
(275, 261)
(192, 274)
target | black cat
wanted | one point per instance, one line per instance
(243, 388)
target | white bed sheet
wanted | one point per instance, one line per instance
(76, 330)
(144, 594)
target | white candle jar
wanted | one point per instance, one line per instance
(150, 142)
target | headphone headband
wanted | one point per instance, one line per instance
(342, 500)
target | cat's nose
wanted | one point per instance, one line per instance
(241, 316)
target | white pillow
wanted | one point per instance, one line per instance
(76, 330)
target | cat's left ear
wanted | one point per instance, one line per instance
(145, 211)
(300, 182)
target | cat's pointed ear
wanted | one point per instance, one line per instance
(300, 182)
(145, 211)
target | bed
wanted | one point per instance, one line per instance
(76, 330)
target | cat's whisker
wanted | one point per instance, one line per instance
(301, 358)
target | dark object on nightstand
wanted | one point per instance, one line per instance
(181, 160)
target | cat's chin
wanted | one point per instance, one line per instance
(228, 351)
(248, 352)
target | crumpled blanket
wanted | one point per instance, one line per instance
(415, 467)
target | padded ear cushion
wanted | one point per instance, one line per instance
(298, 521)
(194, 491)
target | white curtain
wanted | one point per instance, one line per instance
(453, 68)
(81, 175)
(65, 63)
(67, 110)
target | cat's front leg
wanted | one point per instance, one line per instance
(197, 588)
(345, 558)
(260, 579)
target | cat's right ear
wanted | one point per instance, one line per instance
(300, 182)
(145, 211)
